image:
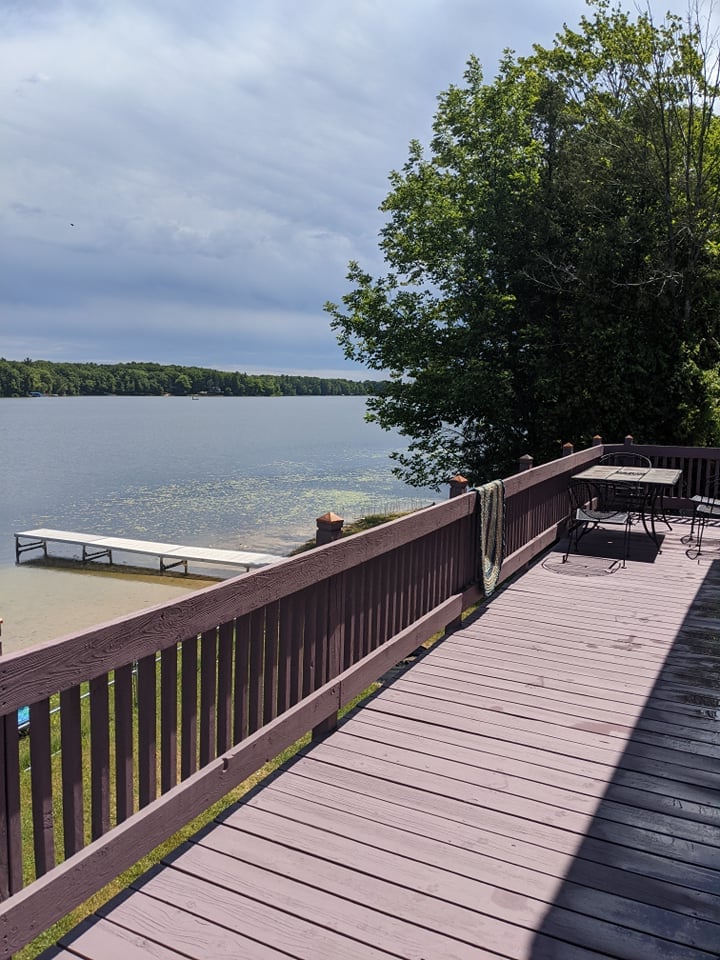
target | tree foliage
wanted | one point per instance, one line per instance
(22, 378)
(553, 256)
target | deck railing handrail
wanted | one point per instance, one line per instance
(207, 688)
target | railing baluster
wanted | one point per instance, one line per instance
(270, 663)
(349, 644)
(168, 718)
(72, 764)
(296, 644)
(321, 634)
(124, 779)
(224, 692)
(147, 730)
(99, 756)
(41, 775)
(208, 693)
(284, 669)
(257, 646)
(189, 709)
(310, 646)
(11, 854)
(360, 593)
(242, 679)
(374, 588)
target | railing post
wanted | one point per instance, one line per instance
(329, 528)
(458, 485)
(597, 440)
(567, 449)
(525, 462)
(629, 440)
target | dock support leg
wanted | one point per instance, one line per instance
(169, 566)
(34, 545)
(86, 555)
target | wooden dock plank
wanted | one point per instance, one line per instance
(504, 891)
(697, 805)
(536, 762)
(176, 552)
(276, 875)
(377, 823)
(541, 785)
(188, 901)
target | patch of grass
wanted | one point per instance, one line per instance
(356, 526)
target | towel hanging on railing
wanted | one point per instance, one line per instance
(491, 518)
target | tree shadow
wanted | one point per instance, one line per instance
(645, 879)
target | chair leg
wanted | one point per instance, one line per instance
(571, 533)
(694, 552)
(626, 543)
(576, 532)
(688, 538)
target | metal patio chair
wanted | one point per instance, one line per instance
(592, 507)
(628, 496)
(706, 506)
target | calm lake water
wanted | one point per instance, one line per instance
(245, 473)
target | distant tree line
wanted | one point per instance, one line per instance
(22, 378)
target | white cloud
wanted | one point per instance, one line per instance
(216, 162)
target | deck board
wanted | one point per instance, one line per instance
(542, 785)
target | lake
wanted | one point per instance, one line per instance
(248, 473)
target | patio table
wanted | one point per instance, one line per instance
(654, 481)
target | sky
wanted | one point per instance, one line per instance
(185, 182)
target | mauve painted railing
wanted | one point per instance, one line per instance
(188, 699)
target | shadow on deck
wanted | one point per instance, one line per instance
(645, 880)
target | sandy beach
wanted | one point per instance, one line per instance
(40, 603)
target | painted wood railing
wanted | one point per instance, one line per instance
(137, 726)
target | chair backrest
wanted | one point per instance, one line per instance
(581, 493)
(589, 494)
(711, 487)
(600, 498)
(623, 459)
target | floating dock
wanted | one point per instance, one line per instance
(170, 555)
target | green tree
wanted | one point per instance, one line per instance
(553, 258)
(182, 384)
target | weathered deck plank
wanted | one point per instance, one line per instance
(542, 786)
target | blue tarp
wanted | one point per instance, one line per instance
(23, 719)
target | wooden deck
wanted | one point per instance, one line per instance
(543, 784)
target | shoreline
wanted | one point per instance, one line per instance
(44, 602)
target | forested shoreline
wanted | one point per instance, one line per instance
(23, 378)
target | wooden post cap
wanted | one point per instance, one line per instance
(458, 485)
(329, 528)
(525, 462)
(597, 440)
(330, 519)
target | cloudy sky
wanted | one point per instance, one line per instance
(185, 182)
